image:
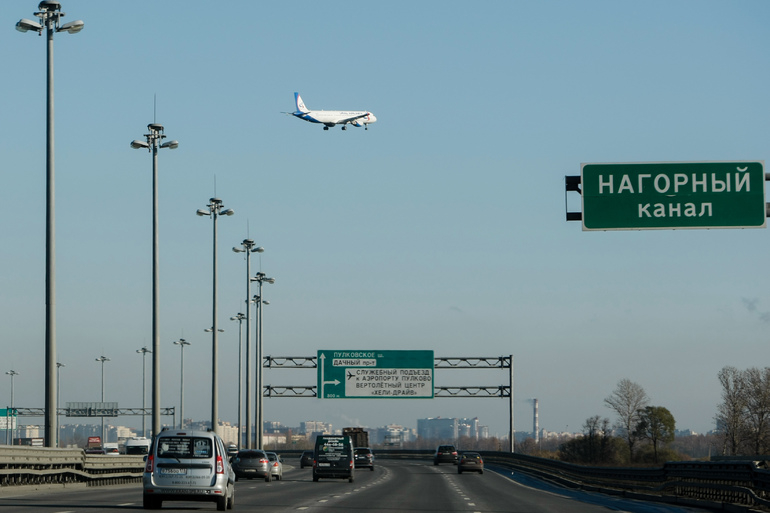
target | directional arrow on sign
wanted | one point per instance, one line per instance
(324, 383)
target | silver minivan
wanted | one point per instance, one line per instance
(186, 465)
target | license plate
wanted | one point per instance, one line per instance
(174, 471)
(324, 464)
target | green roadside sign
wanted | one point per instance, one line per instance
(375, 374)
(7, 419)
(673, 195)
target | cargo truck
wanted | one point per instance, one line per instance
(358, 436)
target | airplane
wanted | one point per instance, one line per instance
(329, 118)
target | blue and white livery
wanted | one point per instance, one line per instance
(330, 118)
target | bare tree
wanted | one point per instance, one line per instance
(627, 400)
(730, 417)
(758, 409)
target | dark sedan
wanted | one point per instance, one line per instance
(363, 457)
(306, 459)
(470, 462)
(251, 463)
(445, 454)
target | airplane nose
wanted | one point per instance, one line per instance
(372, 118)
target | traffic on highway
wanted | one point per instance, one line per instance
(395, 485)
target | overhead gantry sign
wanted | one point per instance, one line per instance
(670, 195)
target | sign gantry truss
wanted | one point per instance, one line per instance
(40, 412)
(499, 391)
(310, 362)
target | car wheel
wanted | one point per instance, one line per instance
(221, 503)
(315, 478)
(435, 463)
(350, 479)
(481, 471)
(268, 477)
(371, 468)
(459, 471)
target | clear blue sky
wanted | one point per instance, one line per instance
(440, 228)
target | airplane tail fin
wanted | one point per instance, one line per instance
(300, 104)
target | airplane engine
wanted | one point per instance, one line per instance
(357, 123)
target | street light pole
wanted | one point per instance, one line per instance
(12, 417)
(50, 15)
(215, 209)
(181, 343)
(260, 278)
(103, 359)
(143, 351)
(248, 248)
(153, 139)
(240, 317)
(58, 396)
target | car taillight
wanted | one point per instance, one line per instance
(150, 466)
(264, 461)
(275, 464)
(220, 465)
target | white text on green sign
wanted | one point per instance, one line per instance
(639, 196)
(375, 374)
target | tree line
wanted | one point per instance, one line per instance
(743, 416)
(641, 434)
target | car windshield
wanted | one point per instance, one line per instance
(271, 456)
(185, 447)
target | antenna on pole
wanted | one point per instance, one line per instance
(154, 107)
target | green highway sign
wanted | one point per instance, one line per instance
(375, 374)
(673, 195)
(7, 419)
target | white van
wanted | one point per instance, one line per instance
(185, 465)
(137, 445)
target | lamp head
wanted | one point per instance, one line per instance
(203, 212)
(227, 212)
(72, 27)
(259, 249)
(136, 144)
(23, 25)
(170, 145)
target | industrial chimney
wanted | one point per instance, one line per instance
(535, 427)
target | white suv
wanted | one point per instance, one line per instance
(188, 465)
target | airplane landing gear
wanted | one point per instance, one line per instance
(326, 128)
(344, 127)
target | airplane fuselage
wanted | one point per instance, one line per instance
(330, 118)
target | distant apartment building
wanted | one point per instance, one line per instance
(451, 429)
(391, 436)
(311, 427)
(438, 428)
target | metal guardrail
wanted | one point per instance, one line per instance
(713, 484)
(719, 485)
(38, 466)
